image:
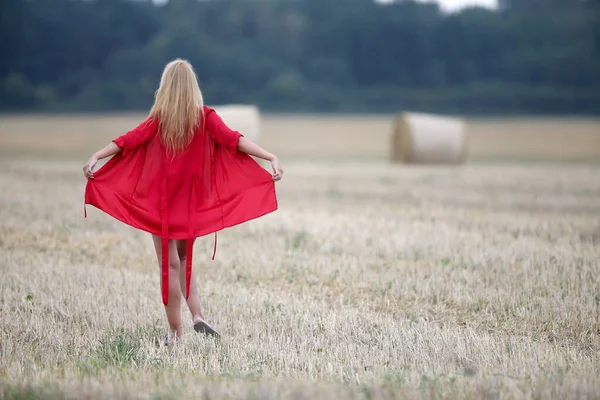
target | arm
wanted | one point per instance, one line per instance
(235, 141)
(107, 151)
(130, 140)
(249, 147)
(138, 136)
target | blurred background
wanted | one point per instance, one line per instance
(510, 67)
(473, 278)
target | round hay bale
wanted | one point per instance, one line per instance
(428, 139)
(242, 118)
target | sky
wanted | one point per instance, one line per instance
(455, 5)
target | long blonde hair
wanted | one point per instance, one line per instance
(177, 105)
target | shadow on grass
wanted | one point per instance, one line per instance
(121, 348)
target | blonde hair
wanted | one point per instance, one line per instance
(177, 105)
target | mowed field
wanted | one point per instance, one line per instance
(372, 280)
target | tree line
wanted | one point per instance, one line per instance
(540, 57)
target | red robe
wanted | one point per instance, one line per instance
(207, 187)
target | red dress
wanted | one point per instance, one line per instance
(207, 187)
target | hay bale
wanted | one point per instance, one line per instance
(428, 139)
(242, 118)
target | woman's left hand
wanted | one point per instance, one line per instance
(88, 168)
(277, 170)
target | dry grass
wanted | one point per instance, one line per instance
(371, 281)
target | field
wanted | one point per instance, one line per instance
(372, 280)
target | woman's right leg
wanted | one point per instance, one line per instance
(193, 300)
(173, 308)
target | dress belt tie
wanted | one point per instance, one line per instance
(164, 240)
(190, 239)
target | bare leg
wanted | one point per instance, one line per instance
(173, 308)
(193, 300)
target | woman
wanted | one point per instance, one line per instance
(181, 174)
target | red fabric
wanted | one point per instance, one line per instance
(207, 187)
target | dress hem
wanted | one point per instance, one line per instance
(224, 225)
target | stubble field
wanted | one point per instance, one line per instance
(372, 280)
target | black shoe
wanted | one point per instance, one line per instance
(203, 327)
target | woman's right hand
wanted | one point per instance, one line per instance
(88, 168)
(277, 170)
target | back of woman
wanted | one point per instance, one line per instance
(180, 174)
